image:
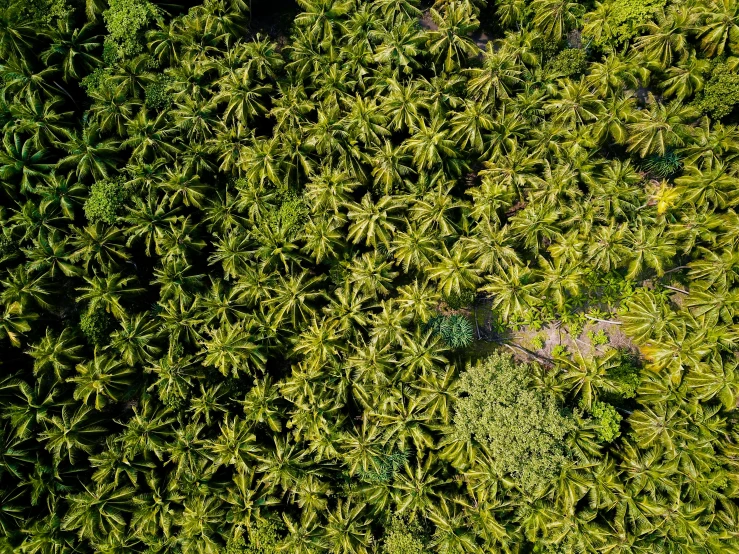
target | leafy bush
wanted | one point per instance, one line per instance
(96, 80)
(126, 21)
(404, 537)
(622, 21)
(96, 325)
(665, 165)
(523, 427)
(538, 342)
(105, 201)
(462, 299)
(598, 339)
(720, 93)
(386, 466)
(262, 537)
(568, 63)
(289, 215)
(158, 95)
(560, 350)
(627, 375)
(455, 330)
(608, 421)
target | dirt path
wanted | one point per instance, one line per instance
(529, 344)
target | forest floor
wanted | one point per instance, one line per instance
(523, 342)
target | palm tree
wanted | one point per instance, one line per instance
(234, 347)
(305, 536)
(496, 79)
(390, 165)
(589, 377)
(659, 128)
(75, 47)
(347, 531)
(431, 145)
(294, 298)
(14, 322)
(136, 341)
(455, 270)
(450, 43)
(70, 432)
(554, 17)
(245, 99)
(89, 153)
(321, 19)
(514, 292)
(99, 511)
(38, 117)
(373, 222)
(20, 159)
(372, 273)
(701, 187)
(719, 30)
(103, 379)
(107, 293)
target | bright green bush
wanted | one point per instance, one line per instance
(105, 201)
(126, 20)
(622, 20)
(559, 350)
(538, 342)
(608, 421)
(568, 63)
(262, 537)
(523, 427)
(627, 376)
(96, 326)
(158, 95)
(404, 537)
(721, 92)
(598, 339)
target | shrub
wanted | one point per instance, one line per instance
(386, 466)
(522, 426)
(105, 201)
(598, 339)
(262, 537)
(462, 299)
(608, 421)
(404, 537)
(126, 21)
(158, 95)
(95, 326)
(559, 351)
(663, 166)
(95, 81)
(455, 330)
(626, 375)
(568, 63)
(622, 21)
(538, 342)
(289, 216)
(721, 92)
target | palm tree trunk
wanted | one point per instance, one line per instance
(678, 268)
(591, 318)
(474, 311)
(676, 289)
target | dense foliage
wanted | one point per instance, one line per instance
(351, 277)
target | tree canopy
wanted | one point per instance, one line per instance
(333, 276)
